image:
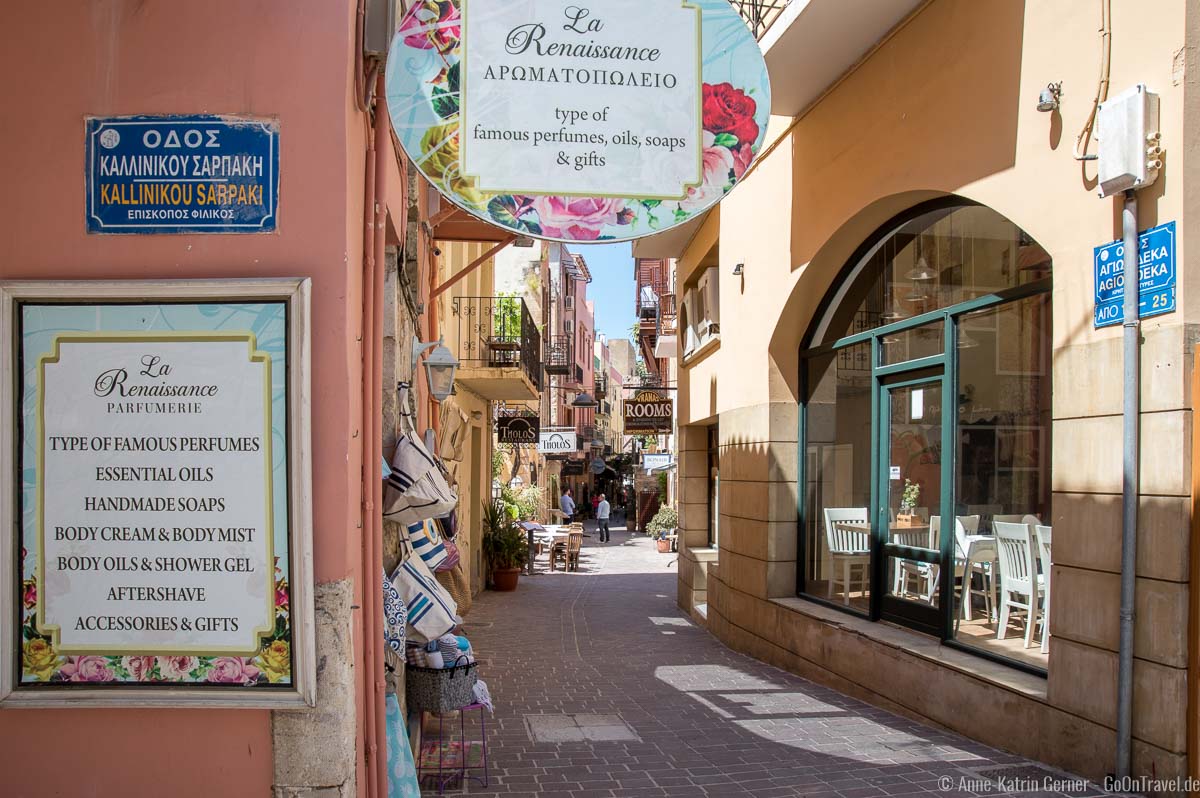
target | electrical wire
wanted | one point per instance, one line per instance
(1085, 135)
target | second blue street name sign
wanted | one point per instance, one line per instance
(182, 174)
(1156, 276)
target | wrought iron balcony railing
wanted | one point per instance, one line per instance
(601, 386)
(560, 356)
(498, 332)
(760, 14)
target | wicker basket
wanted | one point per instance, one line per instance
(440, 689)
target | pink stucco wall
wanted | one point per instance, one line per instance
(294, 61)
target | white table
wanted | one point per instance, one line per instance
(550, 535)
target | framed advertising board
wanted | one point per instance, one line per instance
(156, 546)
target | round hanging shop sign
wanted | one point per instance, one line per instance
(570, 120)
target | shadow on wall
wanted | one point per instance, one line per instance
(935, 109)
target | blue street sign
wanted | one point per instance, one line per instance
(1156, 276)
(182, 174)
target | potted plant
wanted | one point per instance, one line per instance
(908, 502)
(662, 526)
(505, 546)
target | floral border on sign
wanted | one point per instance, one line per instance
(40, 662)
(732, 137)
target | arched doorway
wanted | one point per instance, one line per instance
(926, 395)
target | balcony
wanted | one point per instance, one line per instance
(560, 355)
(499, 347)
(601, 386)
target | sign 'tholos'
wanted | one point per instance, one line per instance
(520, 430)
(558, 442)
(649, 411)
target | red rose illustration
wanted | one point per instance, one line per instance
(730, 110)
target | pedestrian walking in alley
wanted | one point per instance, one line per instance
(567, 505)
(603, 510)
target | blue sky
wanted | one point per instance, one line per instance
(612, 287)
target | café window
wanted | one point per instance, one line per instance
(926, 434)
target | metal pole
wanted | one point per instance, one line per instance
(1129, 498)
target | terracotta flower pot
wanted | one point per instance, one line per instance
(505, 578)
(664, 546)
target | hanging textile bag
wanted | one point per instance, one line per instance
(431, 611)
(427, 544)
(395, 619)
(456, 584)
(452, 557)
(441, 689)
(448, 524)
(417, 489)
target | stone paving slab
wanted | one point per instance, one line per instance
(693, 718)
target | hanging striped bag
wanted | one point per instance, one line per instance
(427, 544)
(431, 611)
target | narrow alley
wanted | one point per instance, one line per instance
(608, 691)
(866, 325)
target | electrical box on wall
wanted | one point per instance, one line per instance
(379, 26)
(1130, 153)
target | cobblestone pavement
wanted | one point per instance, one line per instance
(567, 652)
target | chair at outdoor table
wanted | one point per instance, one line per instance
(849, 547)
(1021, 587)
(568, 548)
(558, 545)
(574, 547)
(1043, 535)
(969, 548)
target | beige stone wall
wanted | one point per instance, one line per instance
(947, 106)
(314, 749)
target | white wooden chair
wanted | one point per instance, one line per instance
(969, 525)
(908, 571)
(1043, 535)
(1020, 585)
(849, 548)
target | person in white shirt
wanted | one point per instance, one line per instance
(603, 510)
(567, 505)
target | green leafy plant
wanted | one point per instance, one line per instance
(506, 317)
(505, 544)
(664, 522)
(912, 494)
(523, 504)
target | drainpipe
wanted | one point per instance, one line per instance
(379, 694)
(1129, 498)
(371, 739)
